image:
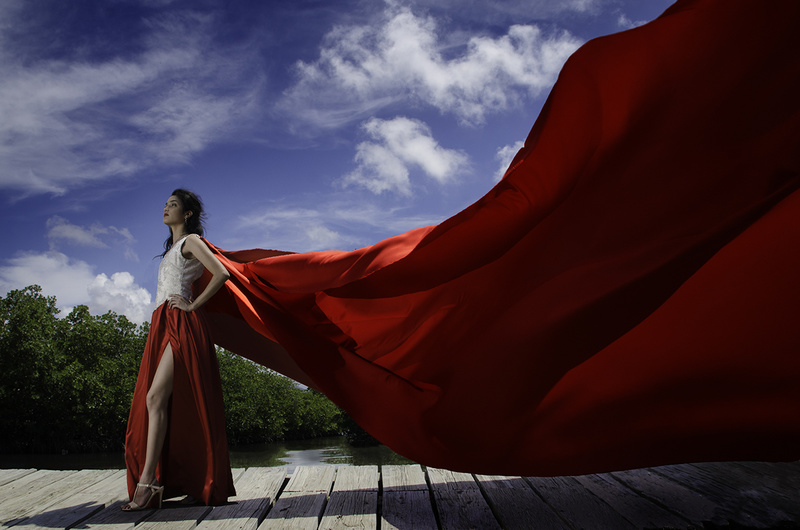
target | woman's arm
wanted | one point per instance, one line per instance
(194, 247)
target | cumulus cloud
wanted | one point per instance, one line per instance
(73, 282)
(120, 294)
(504, 156)
(96, 119)
(60, 230)
(405, 57)
(395, 146)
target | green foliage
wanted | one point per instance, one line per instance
(315, 415)
(262, 406)
(67, 383)
(64, 383)
(27, 355)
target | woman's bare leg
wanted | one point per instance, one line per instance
(157, 402)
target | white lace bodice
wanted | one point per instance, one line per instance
(176, 274)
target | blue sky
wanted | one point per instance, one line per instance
(303, 124)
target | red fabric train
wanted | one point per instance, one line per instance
(626, 296)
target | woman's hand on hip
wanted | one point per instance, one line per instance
(176, 301)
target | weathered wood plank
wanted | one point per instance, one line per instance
(356, 478)
(516, 505)
(46, 495)
(256, 491)
(692, 505)
(113, 518)
(175, 516)
(406, 498)
(354, 500)
(773, 479)
(407, 509)
(302, 502)
(311, 478)
(741, 495)
(640, 511)
(10, 475)
(100, 489)
(30, 483)
(576, 505)
(351, 509)
(782, 477)
(459, 501)
(403, 478)
(296, 510)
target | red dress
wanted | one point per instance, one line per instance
(626, 296)
(195, 458)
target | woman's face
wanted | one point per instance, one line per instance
(173, 211)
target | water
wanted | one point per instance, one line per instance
(289, 454)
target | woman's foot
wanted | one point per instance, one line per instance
(145, 496)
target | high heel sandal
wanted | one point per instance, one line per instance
(156, 494)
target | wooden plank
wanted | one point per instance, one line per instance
(174, 516)
(113, 518)
(406, 498)
(356, 478)
(302, 502)
(576, 505)
(741, 495)
(459, 501)
(76, 504)
(407, 509)
(640, 511)
(354, 500)
(295, 510)
(311, 478)
(516, 504)
(29, 483)
(10, 475)
(782, 477)
(403, 478)
(692, 505)
(780, 480)
(64, 484)
(256, 491)
(351, 509)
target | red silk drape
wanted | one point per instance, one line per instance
(626, 296)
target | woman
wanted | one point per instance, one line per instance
(176, 442)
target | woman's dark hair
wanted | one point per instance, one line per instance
(194, 224)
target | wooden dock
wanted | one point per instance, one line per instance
(729, 495)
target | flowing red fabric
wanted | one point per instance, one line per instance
(195, 458)
(626, 296)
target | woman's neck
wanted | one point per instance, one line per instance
(178, 233)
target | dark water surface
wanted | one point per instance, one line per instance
(292, 453)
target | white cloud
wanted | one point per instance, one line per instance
(405, 57)
(502, 9)
(397, 145)
(504, 156)
(73, 282)
(120, 294)
(334, 224)
(60, 230)
(112, 118)
(626, 23)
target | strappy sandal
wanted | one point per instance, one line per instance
(156, 495)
